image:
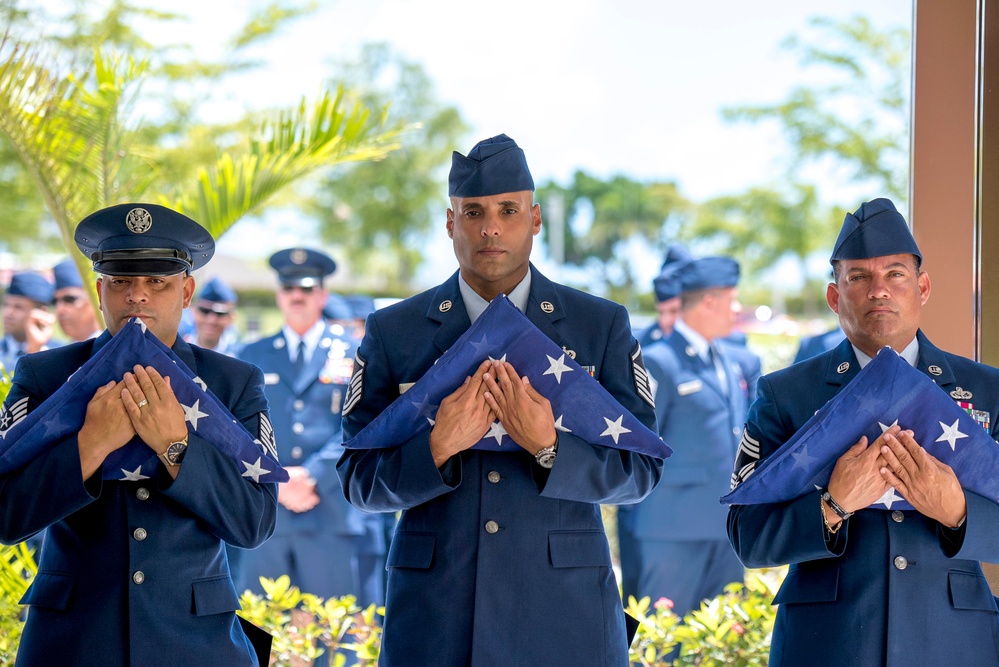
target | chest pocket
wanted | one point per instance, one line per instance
(578, 549)
(214, 596)
(50, 590)
(802, 587)
(412, 550)
(970, 591)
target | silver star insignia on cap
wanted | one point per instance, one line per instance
(445, 306)
(843, 367)
(138, 221)
(935, 370)
(547, 307)
(298, 256)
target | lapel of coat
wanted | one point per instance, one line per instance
(447, 309)
(842, 365)
(544, 307)
(933, 363)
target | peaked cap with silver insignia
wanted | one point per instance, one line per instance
(143, 240)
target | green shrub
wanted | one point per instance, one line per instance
(304, 625)
(17, 569)
(731, 630)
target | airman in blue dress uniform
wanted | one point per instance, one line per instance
(682, 547)
(327, 547)
(870, 587)
(499, 558)
(133, 571)
(214, 314)
(27, 322)
(73, 309)
(667, 290)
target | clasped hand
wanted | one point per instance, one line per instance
(493, 393)
(114, 414)
(863, 474)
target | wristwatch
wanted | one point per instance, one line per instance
(174, 453)
(546, 457)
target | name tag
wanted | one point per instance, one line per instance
(404, 387)
(691, 387)
(271, 378)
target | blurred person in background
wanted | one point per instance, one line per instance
(73, 308)
(28, 322)
(214, 317)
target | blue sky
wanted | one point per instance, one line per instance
(608, 86)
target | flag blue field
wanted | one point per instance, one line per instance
(580, 404)
(30, 434)
(886, 392)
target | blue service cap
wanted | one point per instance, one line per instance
(143, 240)
(337, 308)
(675, 253)
(493, 166)
(708, 272)
(876, 229)
(361, 305)
(66, 275)
(667, 284)
(302, 266)
(217, 291)
(32, 286)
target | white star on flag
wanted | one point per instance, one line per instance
(558, 367)
(802, 459)
(885, 428)
(193, 413)
(201, 383)
(501, 359)
(133, 476)
(497, 431)
(558, 425)
(255, 470)
(951, 435)
(614, 428)
(889, 498)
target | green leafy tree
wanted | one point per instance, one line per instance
(601, 217)
(80, 141)
(381, 213)
(856, 125)
(846, 135)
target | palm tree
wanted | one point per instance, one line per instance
(77, 137)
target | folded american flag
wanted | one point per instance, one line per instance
(886, 392)
(24, 435)
(580, 404)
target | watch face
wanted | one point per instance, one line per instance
(175, 452)
(546, 460)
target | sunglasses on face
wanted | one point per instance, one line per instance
(208, 311)
(68, 299)
(305, 289)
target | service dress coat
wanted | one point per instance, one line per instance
(135, 572)
(495, 560)
(890, 588)
(701, 421)
(325, 548)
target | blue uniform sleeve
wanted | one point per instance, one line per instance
(772, 534)
(51, 486)
(589, 472)
(235, 508)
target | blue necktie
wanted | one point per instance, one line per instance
(300, 359)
